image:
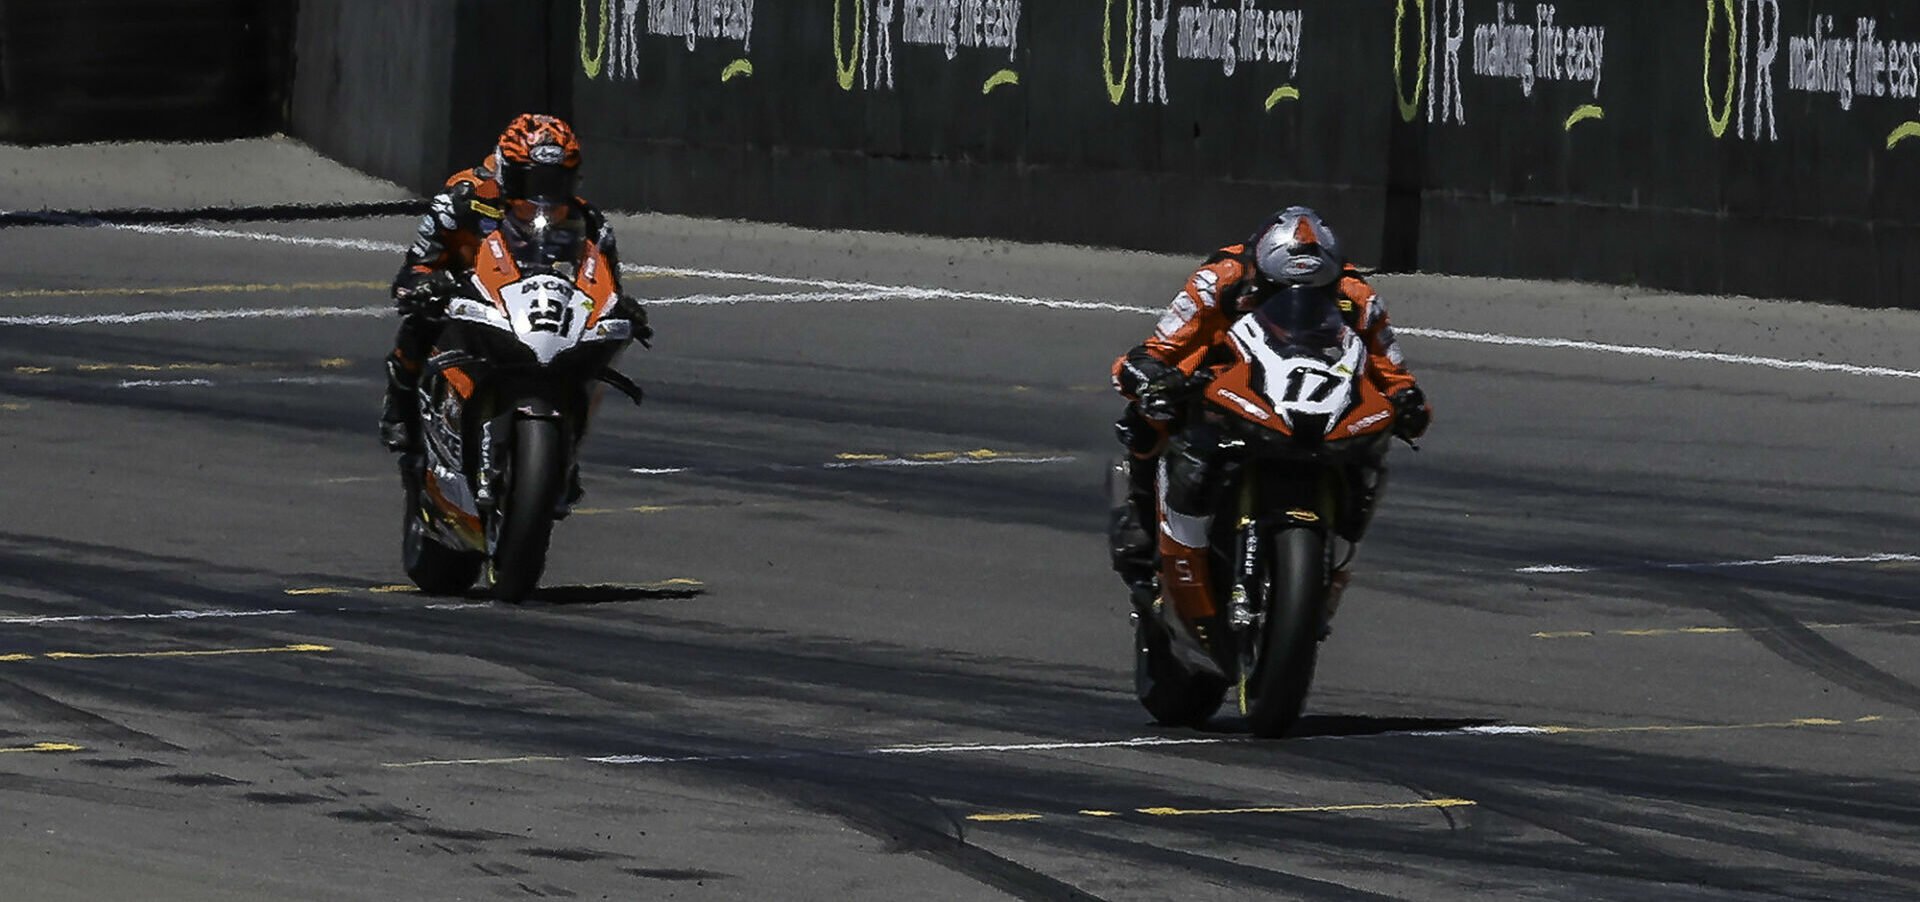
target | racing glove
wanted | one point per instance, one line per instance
(1411, 413)
(425, 296)
(1159, 395)
(628, 307)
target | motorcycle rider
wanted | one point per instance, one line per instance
(525, 186)
(1293, 249)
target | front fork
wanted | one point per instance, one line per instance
(496, 440)
(1247, 604)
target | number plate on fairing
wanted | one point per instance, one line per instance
(547, 313)
(1299, 384)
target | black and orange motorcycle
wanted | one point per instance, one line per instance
(1298, 432)
(505, 398)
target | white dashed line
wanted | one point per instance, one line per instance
(1782, 560)
(843, 291)
(169, 615)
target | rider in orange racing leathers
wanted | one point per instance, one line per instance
(526, 186)
(1292, 249)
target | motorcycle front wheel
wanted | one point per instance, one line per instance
(1296, 585)
(535, 481)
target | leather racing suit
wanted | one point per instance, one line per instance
(1216, 295)
(445, 244)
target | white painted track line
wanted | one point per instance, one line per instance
(830, 291)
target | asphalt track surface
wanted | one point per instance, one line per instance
(834, 620)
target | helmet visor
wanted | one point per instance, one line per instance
(535, 181)
(540, 233)
(1301, 316)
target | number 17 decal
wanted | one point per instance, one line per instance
(1297, 390)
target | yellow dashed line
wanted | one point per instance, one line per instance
(45, 747)
(323, 590)
(79, 655)
(1306, 809)
(602, 511)
(1704, 728)
(193, 289)
(1209, 812)
(976, 454)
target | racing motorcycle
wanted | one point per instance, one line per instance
(504, 399)
(1298, 431)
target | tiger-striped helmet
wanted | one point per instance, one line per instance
(537, 159)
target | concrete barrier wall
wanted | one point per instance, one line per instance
(1766, 147)
(96, 70)
(1751, 146)
(411, 91)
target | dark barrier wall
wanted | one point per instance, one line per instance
(411, 91)
(90, 70)
(990, 117)
(1764, 147)
(1752, 146)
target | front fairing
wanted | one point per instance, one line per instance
(550, 309)
(1307, 397)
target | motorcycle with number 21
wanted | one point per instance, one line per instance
(525, 342)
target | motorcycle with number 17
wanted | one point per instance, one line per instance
(1296, 434)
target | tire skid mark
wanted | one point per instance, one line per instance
(1599, 810)
(1798, 644)
(47, 710)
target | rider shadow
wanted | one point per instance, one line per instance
(1353, 726)
(613, 593)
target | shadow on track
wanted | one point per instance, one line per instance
(613, 593)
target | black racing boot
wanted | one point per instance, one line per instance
(1129, 540)
(400, 411)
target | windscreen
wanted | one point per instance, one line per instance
(538, 236)
(1299, 318)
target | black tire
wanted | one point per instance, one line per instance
(435, 568)
(536, 480)
(1175, 696)
(1296, 594)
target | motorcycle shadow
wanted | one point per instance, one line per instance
(1351, 726)
(612, 593)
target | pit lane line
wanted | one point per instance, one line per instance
(868, 291)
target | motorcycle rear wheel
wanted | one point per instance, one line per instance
(536, 479)
(1290, 639)
(435, 568)
(1174, 695)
